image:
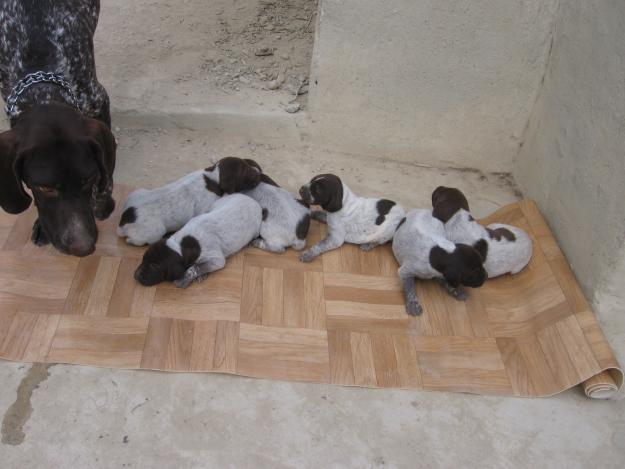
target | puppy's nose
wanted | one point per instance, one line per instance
(304, 193)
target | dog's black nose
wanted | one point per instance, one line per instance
(80, 247)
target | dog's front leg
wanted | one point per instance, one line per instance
(458, 292)
(334, 240)
(199, 272)
(413, 307)
(319, 215)
(38, 236)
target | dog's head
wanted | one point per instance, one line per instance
(446, 201)
(325, 190)
(67, 162)
(236, 174)
(463, 266)
(263, 177)
(162, 264)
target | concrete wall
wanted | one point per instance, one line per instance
(573, 159)
(447, 83)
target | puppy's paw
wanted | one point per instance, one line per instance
(414, 308)
(38, 237)
(307, 256)
(459, 293)
(257, 243)
(200, 278)
(319, 215)
(367, 246)
(135, 242)
(183, 282)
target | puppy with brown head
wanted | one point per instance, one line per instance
(423, 252)
(368, 222)
(203, 244)
(237, 175)
(285, 219)
(149, 214)
(507, 249)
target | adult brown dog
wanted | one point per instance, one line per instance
(60, 145)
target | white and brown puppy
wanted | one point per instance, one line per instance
(509, 248)
(357, 220)
(285, 219)
(423, 251)
(203, 244)
(149, 214)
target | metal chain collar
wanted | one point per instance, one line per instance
(32, 79)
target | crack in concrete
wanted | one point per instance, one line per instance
(19, 412)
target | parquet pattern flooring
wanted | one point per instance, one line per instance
(339, 319)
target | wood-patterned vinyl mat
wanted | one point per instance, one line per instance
(339, 319)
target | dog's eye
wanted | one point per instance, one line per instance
(48, 191)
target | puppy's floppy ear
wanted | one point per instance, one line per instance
(443, 261)
(190, 250)
(253, 163)
(103, 146)
(482, 248)
(236, 175)
(13, 197)
(330, 192)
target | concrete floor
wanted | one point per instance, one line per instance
(84, 417)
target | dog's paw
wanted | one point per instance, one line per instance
(200, 278)
(183, 282)
(103, 207)
(307, 256)
(38, 237)
(367, 246)
(319, 215)
(414, 308)
(459, 293)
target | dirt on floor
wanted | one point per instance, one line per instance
(264, 44)
(223, 53)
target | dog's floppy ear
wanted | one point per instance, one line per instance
(13, 197)
(253, 163)
(481, 247)
(103, 146)
(190, 250)
(236, 175)
(443, 261)
(329, 192)
(263, 177)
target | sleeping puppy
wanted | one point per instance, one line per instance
(358, 220)
(285, 219)
(149, 214)
(203, 244)
(508, 248)
(423, 251)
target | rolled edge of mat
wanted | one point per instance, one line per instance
(605, 385)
